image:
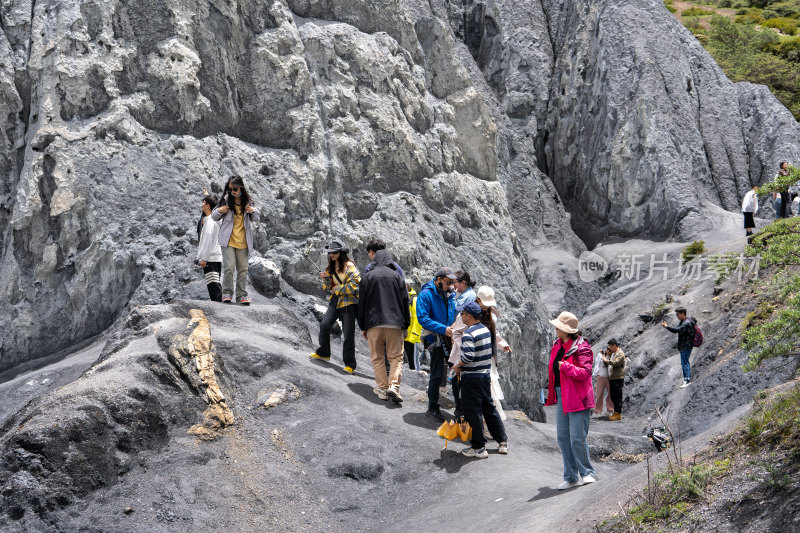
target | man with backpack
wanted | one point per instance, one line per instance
(686, 341)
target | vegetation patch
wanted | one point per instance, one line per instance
(755, 44)
(773, 329)
(693, 250)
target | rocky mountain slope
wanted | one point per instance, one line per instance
(197, 416)
(442, 125)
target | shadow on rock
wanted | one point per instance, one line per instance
(421, 420)
(451, 460)
(548, 492)
(365, 391)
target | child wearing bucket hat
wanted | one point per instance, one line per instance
(341, 280)
(570, 390)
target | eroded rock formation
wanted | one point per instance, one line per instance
(451, 129)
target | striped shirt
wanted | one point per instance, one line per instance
(476, 350)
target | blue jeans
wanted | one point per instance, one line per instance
(571, 431)
(687, 371)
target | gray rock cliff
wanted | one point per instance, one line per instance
(472, 134)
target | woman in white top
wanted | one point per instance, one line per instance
(485, 298)
(602, 387)
(749, 209)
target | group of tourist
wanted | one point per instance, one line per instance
(449, 321)
(785, 203)
(455, 325)
(226, 238)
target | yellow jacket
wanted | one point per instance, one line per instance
(415, 328)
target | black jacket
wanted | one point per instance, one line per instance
(382, 295)
(685, 331)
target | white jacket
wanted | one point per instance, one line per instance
(750, 202)
(209, 250)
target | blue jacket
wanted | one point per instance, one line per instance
(433, 312)
(465, 297)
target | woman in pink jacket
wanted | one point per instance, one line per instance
(570, 390)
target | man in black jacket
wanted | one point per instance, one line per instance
(685, 331)
(384, 317)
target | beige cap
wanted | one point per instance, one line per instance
(566, 322)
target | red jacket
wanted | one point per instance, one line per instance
(576, 376)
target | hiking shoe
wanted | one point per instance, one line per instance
(615, 416)
(244, 301)
(587, 479)
(436, 414)
(503, 448)
(568, 484)
(380, 393)
(472, 452)
(686, 383)
(394, 394)
(226, 299)
(349, 369)
(314, 355)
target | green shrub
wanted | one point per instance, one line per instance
(777, 245)
(781, 183)
(749, 19)
(693, 250)
(785, 25)
(775, 421)
(696, 12)
(788, 49)
(743, 53)
(786, 8)
(749, 11)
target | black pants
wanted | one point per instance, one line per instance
(785, 204)
(408, 348)
(437, 373)
(348, 317)
(212, 272)
(476, 397)
(616, 393)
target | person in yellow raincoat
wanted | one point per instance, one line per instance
(412, 340)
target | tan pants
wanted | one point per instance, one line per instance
(387, 341)
(602, 387)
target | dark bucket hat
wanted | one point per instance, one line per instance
(336, 246)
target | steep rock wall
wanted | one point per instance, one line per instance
(643, 127)
(342, 122)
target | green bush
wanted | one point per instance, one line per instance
(777, 245)
(749, 19)
(743, 53)
(785, 25)
(696, 12)
(693, 250)
(788, 49)
(781, 183)
(749, 11)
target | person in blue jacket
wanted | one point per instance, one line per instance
(436, 312)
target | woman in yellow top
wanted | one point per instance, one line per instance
(236, 210)
(341, 278)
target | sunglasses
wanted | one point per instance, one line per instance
(235, 188)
